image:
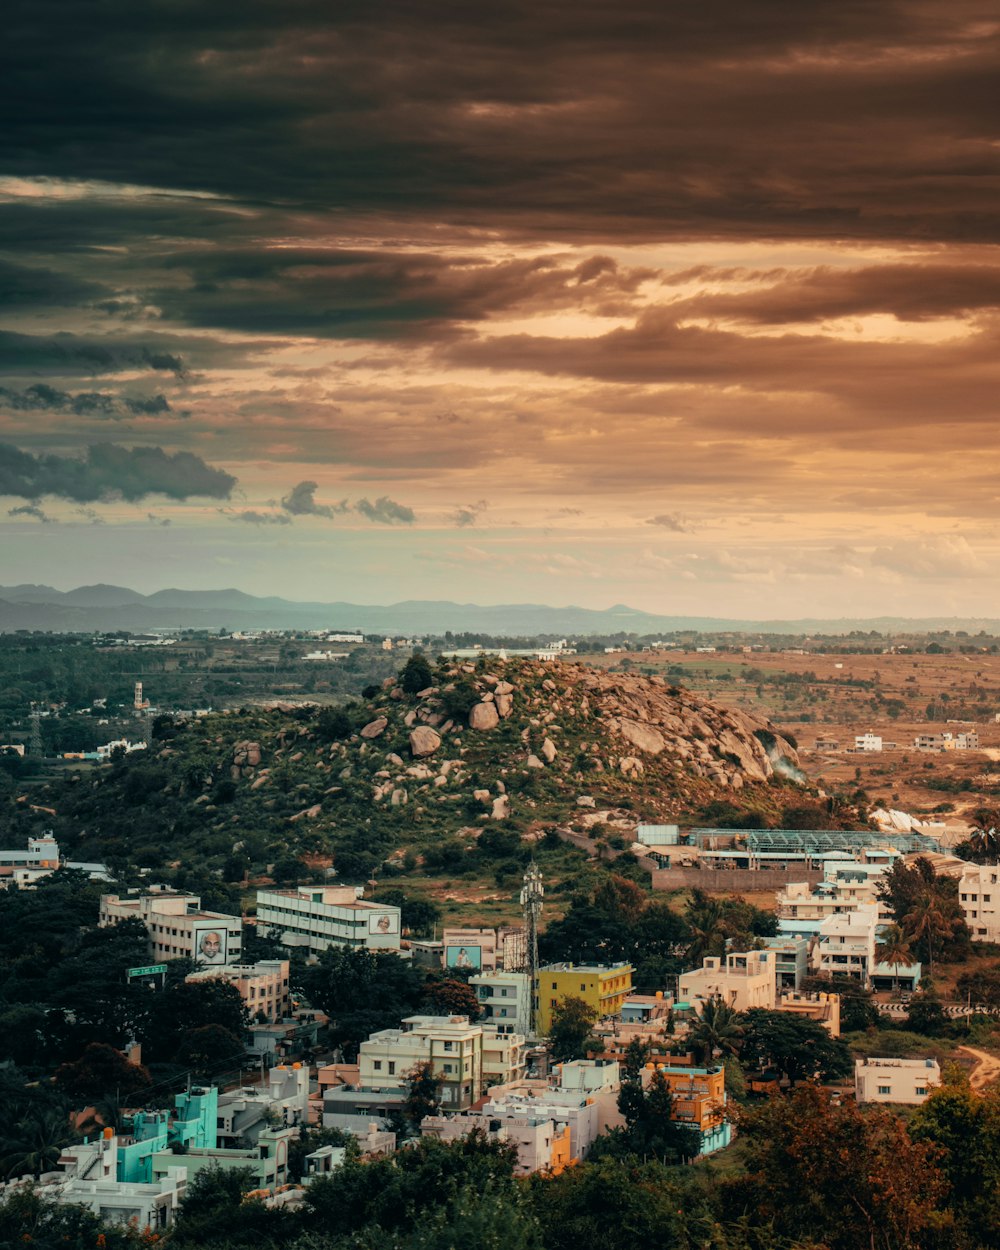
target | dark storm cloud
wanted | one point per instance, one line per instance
(44, 398)
(919, 291)
(108, 471)
(350, 294)
(718, 119)
(901, 383)
(23, 287)
(84, 354)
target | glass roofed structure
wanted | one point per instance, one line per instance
(759, 845)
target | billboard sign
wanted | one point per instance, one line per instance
(469, 958)
(381, 923)
(211, 946)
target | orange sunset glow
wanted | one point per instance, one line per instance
(689, 307)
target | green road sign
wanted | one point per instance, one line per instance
(152, 971)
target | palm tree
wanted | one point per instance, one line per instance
(893, 948)
(717, 1029)
(985, 842)
(704, 920)
(34, 1142)
(927, 920)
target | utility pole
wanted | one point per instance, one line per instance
(531, 903)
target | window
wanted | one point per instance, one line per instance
(920, 1091)
(885, 1089)
(377, 1065)
(449, 1045)
(392, 1067)
(449, 1067)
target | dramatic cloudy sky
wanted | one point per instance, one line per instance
(690, 306)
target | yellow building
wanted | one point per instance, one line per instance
(604, 987)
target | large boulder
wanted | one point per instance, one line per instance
(501, 808)
(374, 727)
(504, 704)
(484, 716)
(643, 737)
(423, 741)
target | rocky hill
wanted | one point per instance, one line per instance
(514, 746)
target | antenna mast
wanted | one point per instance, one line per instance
(531, 904)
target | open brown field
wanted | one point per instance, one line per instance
(829, 696)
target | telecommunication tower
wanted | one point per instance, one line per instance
(35, 743)
(531, 904)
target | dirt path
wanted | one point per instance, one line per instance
(987, 1069)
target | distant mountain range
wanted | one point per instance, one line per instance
(98, 608)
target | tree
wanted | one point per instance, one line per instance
(846, 1175)
(361, 991)
(893, 947)
(717, 1029)
(620, 1201)
(102, 1072)
(215, 1211)
(858, 1010)
(572, 1020)
(965, 1128)
(797, 1047)
(451, 997)
(704, 919)
(927, 907)
(313, 1139)
(416, 674)
(28, 1218)
(650, 1128)
(423, 1093)
(32, 1141)
(210, 1050)
(925, 1013)
(386, 1199)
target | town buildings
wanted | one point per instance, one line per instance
(846, 944)
(741, 980)
(320, 916)
(895, 1080)
(504, 999)
(262, 986)
(462, 1054)
(603, 987)
(178, 927)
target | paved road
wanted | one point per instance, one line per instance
(953, 1010)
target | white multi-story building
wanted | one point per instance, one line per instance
(742, 980)
(450, 1044)
(979, 896)
(846, 944)
(467, 1057)
(802, 908)
(895, 1080)
(319, 916)
(177, 926)
(504, 999)
(868, 742)
(263, 986)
